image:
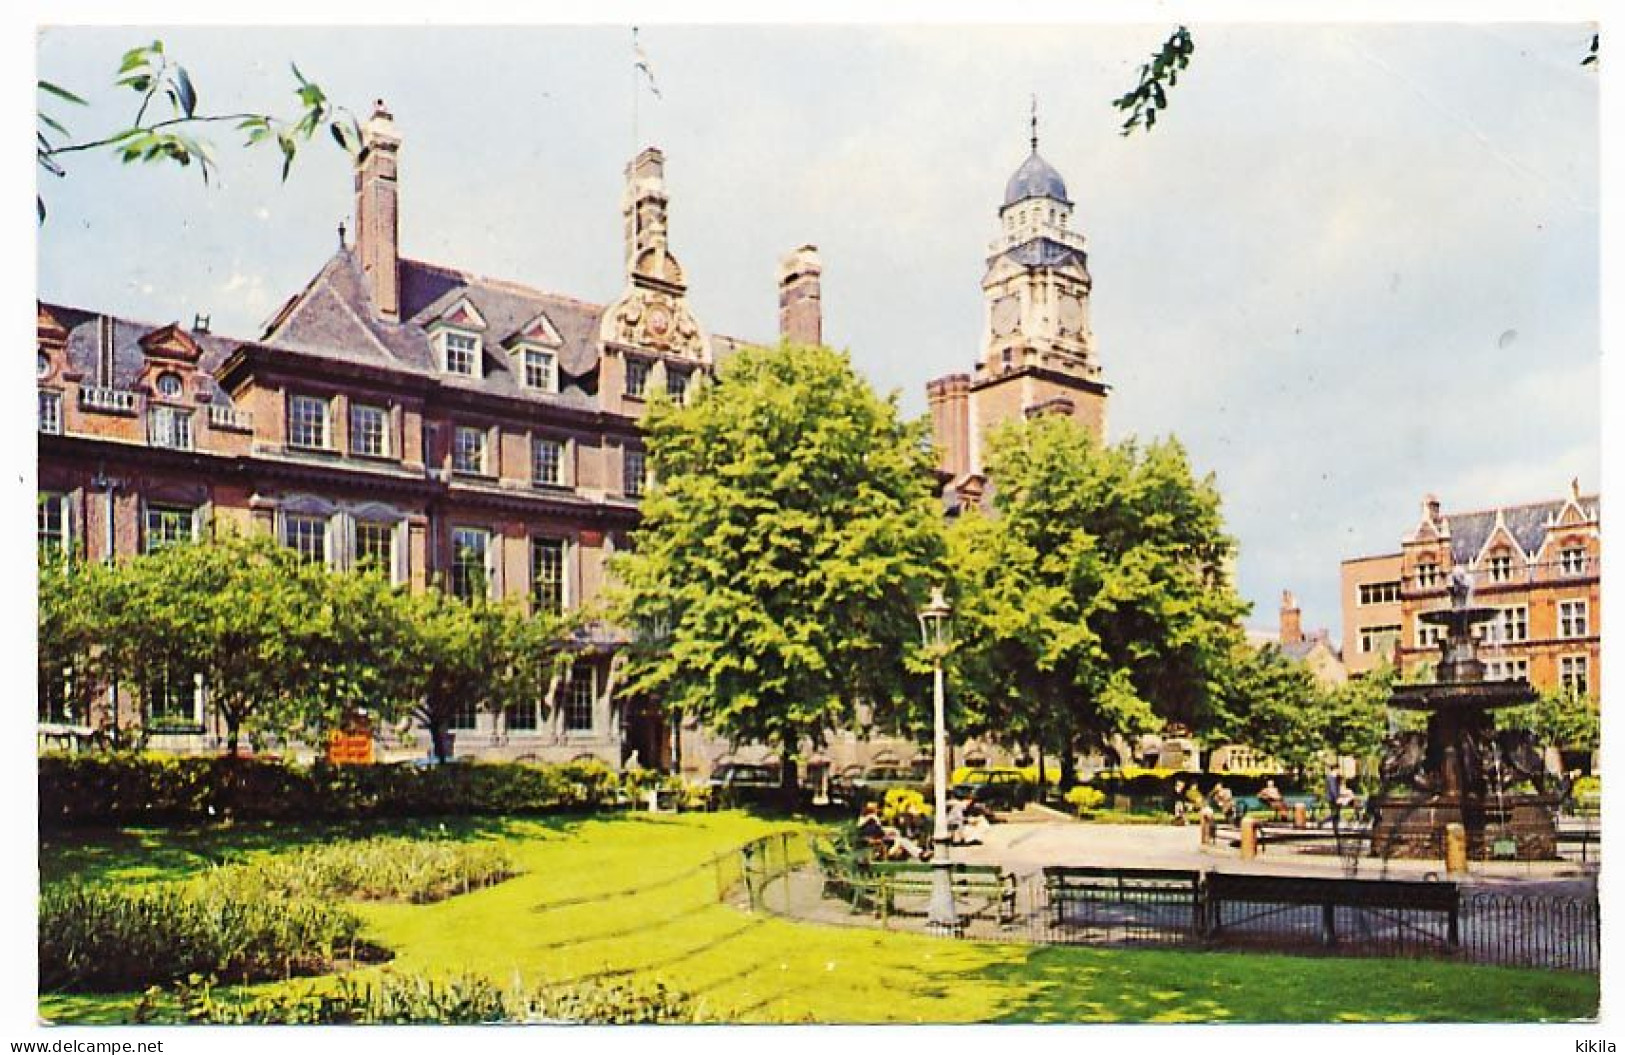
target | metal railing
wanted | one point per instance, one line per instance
(1341, 917)
(116, 400)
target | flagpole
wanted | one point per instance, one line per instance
(634, 91)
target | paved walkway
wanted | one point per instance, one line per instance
(1025, 848)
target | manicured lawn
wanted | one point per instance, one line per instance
(762, 969)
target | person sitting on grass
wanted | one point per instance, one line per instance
(1271, 797)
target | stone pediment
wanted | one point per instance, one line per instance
(48, 327)
(657, 321)
(171, 342)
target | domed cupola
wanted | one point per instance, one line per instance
(1036, 178)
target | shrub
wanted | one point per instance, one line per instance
(417, 1000)
(103, 938)
(899, 801)
(1085, 800)
(126, 788)
(379, 869)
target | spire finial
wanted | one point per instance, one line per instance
(1034, 122)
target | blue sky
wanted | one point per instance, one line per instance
(1353, 264)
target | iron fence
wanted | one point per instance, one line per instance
(1516, 930)
(1205, 909)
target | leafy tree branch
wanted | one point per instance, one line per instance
(167, 118)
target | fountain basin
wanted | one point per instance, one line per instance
(1413, 826)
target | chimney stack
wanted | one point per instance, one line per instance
(1291, 619)
(644, 206)
(377, 212)
(801, 299)
(1430, 508)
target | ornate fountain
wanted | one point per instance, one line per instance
(1463, 770)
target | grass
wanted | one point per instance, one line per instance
(758, 968)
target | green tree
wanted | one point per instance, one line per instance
(1092, 600)
(167, 119)
(476, 656)
(1564, 720)
(1357, 714)
(70, 651)
(286, 648)
(1273, 703)
(786, 542)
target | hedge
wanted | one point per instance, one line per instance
(130, 788)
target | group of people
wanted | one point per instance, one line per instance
(1188, 799)
(967, 825)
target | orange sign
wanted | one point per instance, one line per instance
(351, 747)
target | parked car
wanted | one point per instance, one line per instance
(856, 786)
(997, 788)
(741, 783)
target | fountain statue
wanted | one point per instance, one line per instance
(1462, 770)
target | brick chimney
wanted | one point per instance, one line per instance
(377, 212)
(949, 400)
(1291, 619)
(801, 300)
(1430, 508)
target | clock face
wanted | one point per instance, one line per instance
(1006, 312)
(1071, 314)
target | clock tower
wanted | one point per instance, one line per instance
(1038, 351)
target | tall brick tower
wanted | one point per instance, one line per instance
(1038, 352)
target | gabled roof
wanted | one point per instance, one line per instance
(333, 316)
(1525, 523)
(129, 354)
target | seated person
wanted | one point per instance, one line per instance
(976, 824)
(870, 830)
(1224, 801)
(900, 847)
(1271, 797)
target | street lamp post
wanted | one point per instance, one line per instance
(941, 915)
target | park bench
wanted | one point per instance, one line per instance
(1067, 885)
(1392, 895)
(846, 872)
(990, 884)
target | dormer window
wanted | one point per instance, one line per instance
(169, 385)
(1501, 568)
(461, 351)
(541, 370)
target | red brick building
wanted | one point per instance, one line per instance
(1538, 564)
(477, 433)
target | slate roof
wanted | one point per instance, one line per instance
(129, 358)
(333, 316)
(1299, 650)
(1042, 252)
(1469, 531)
